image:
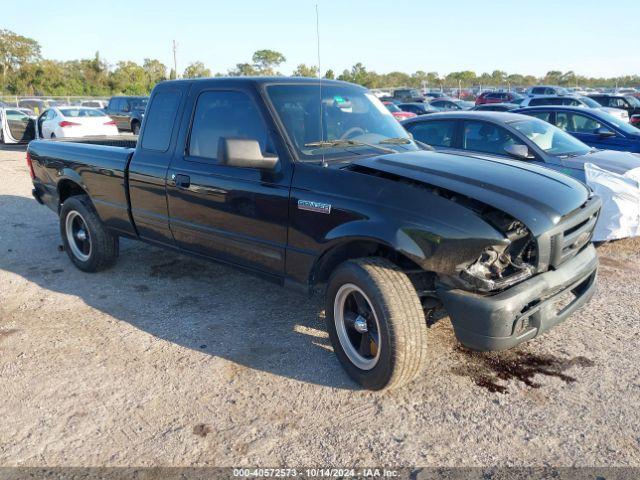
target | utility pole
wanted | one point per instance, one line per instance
(175, 61)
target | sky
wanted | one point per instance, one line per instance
(590, 37)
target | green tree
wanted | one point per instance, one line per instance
(243, 70)
(329, 75)
(196, 70)
(15, 52)
(155, 71)
(266, 61)
(303, 70)
(129, 78)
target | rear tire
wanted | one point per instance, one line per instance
(90, 246)
(53, 135)
(376, 323)
(135, 128)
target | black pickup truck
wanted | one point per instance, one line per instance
(315, 185)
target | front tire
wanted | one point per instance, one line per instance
(376, 323)
(135, 128)
(90, 246)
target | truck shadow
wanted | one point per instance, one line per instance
(198, 305)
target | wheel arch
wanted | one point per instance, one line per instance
(69, 187)
(350, 248)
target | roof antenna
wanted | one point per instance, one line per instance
(324, 163)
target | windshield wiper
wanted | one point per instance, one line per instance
(346, 143)
(395, 141)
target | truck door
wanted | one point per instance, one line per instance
(238, 215)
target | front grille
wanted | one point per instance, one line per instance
(574, 232)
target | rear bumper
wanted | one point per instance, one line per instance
(524, 311)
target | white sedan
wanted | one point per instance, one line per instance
(62, 122)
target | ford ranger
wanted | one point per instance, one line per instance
(314, 185)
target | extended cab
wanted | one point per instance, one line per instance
(315, 185)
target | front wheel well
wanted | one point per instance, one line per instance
(353, 249)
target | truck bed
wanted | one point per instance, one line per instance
(97, 164)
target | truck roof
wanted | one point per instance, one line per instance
(260, 80)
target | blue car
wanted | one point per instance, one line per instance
(592, 126)
(517, 136)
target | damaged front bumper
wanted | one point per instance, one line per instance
(524, 311)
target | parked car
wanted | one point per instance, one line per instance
(34, 104)
(592, 126)
(572, 101)
(101, 104)
(434, 94)
(496, 107)
(408, 95)
(628, 103)
(332, 193)
(64, 122)
(397, 113)
(443, 104)
(635, 120)
(127, 112)
(546, 90)
(517, 136)
(498, 97)
(417, 108)
(16, 126)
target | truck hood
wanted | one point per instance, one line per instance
(612, 160)
(536, 196)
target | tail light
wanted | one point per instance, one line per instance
(111, 123)
(65, 123)
(30, 165)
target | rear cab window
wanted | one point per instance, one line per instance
(160, 121)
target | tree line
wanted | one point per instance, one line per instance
(25, 72)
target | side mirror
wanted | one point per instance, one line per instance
(244, 153)
(519, 151)
(605, 132)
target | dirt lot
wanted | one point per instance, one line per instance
(166, 360)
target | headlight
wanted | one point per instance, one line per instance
(495, 270)
(499, 267)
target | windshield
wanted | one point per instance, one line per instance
(81, 112)
(626, 127)
(550, 138)
(590, 102)
(633, 101)
(347, 113)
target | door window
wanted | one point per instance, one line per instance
(576, 123)
(437, 134)
(487, 138)
(546, 116)
(225, 115)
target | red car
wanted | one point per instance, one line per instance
(497, 97)
(635, 120)
(396, 112)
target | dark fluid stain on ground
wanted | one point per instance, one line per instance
(179, 268)
(201, 430)
(141, 288)
(487, 368)
(57, 270)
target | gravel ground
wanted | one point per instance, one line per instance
(165, 360)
